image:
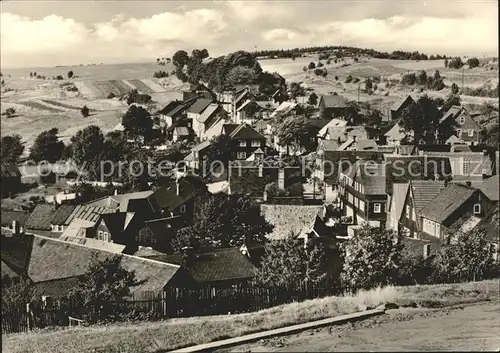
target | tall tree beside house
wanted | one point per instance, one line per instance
(423, 118)
(87, 147)
(11, 148)
(296, 90)
(467, 258)
(491, 135)
(287, 264)
(313, 99)
(47, 147)
(241, 75)
(137, 120)
(102, 292)
(371, 258)
(222, 221)
(116, 147)
(451, 100)
(17, 295)
(295, 131)
(217, 156)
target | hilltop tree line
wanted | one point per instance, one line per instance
(420, 78)
(347, 51)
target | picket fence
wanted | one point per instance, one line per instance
(171, 303)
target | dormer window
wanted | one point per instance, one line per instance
(477, 208)
(462, 120)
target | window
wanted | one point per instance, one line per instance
(105, 236)
(361, 205)
(471, 132)
(465, 167)
(427, 250)
(99, 235)
(261, 171)
(462, 120)
(459, 132)
(241, 155)
(408, 211)
(351, 199)
(183, 209)
(243, 143)
(477, 208)
(376, 208)
(255, 143)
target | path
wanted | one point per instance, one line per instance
(473, 327)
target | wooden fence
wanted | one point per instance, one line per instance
(172, 303)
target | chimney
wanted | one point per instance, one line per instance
(354, 138)
(468, 183)
(116, 192)
(177, 187)
(15, 227)
(281, 178)
(264, 197)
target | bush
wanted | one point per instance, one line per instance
(356, 59)
(10, 112)
(409, 79)
(160, 74)
(323, 56)
(320, 64)
(111, 95)
(473, 62)
(355, 80)
(59, 77)
(455, 63)
(312, 65)
(454, 88)
(85, 111)
(348, 79)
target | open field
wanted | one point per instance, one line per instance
(176, 333)
(473, 327)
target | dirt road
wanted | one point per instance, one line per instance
(472, 327)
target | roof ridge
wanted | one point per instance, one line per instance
(103, 250)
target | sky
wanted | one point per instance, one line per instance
(48, 33)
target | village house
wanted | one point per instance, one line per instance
(362, 192)
(248, 112)
(248, 140)
(204, 113)
(285, 109)
(10, 179)
(197, 155)
(456, 208)
(241, 96)
(463, 126)
(397, 135)
(490, 225)
(397, 109)
(332, 106)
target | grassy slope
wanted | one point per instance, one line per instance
(175, 333)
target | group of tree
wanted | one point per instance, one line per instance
(160, 74)
(420, 78)
(222, 221)
(47, 147)
(454, 63)
(135, 97)
(483, 91)
(11, 148)
(296, 131)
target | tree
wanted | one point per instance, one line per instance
(10, 112)
(454, 88)
(47, 147)
(103, 290)
(116, 147)
(222, 221)
(59, 77)
(11, 148)
(473, 62)
(241, 75)
(467, 258)
(70, 74)
(313, 99)
(17, 295)
(371, 259)
(135, 97)
(219, 152)
(422, 118)
(446, 62)
(138, 121)
(451, 100)
(296, 90)
(295, 131)
(311, 66)
(87, 148)
(455, 63)
(85, 111)
(373, 117)
(421, 77)
(180, 59)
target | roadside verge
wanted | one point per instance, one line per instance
(280, 331)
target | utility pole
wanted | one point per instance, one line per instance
(359, 85)
(462, 78)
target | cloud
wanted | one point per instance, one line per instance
(222, 26)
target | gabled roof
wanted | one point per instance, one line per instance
(41, 217)
(7, 217)
(120, 201)
(245, 131)
(290, 219)
(452, 140)
(334, 123)
(201, 146)
(490, 224)
(334, 101)
(371, 176)
(54, 259)
(221, 265)
(396, 132)
(170, 106)
(7, 271)
(284, 108)
(89, 213)
(248, 103)
(399, 192)
(199, 105)
(117, 222)
(446, 202)
(94, 244)
(398, 104)
(62, 213)
(167, 198)
(424, 191)
(216, 129)
(209, 112)
(454, 111)
(227, 129)
(9, 170)
(489, 187)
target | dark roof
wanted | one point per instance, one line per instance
(167, 198)
(171, 106)
(7, 271)
(490, 224)
(56, 288)
(372, 177)
(117, 222)
(245, 131)
(9, 170)
(62, 214)
(490, 187)
(162, 228)
(334, 101)
(446, 202)
(200, 105)
(41, 217)
(288, 220)
(16, 251)
(8, 217)
(398, 104)
(53, 259)
(424, 191)
(221, 265)
(227, 129)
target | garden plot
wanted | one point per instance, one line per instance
(141, 86)
(39, 106)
